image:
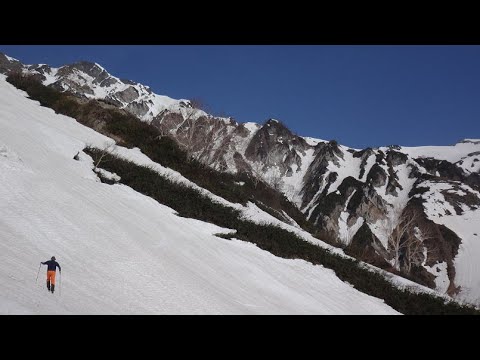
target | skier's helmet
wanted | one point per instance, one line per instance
(53, 258)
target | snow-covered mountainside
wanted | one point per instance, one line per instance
(358, 199)
(122, 252)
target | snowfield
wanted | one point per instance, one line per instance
(122, 252)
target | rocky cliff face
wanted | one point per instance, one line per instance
(357, 199)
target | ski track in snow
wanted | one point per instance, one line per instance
(122, 252)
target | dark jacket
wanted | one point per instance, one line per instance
(52, 265)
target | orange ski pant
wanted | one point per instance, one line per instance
(51, 277)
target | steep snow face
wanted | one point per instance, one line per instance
(347, 166)
(464, 220)
(292, 185)
(11, 59)
(396, 202)
(449, 153)
(470, 163)
(313, 141)
(122, 252)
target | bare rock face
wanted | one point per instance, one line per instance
(393, 182)
(128, 95)
(370, 205)
(314, 179)
(86, 69)
(460, 198)
(396, 158)
(241, 164)
(223, 142)
(364, 155)
(356, 201)
(206, 138)
(137, 108)
(444, 168)
(440, 245)
(74, 81)
(167, 120)
(366, 247)
(41, 71)
(276, 146)
(377, 176)
(112, 100)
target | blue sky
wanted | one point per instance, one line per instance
(358, 95)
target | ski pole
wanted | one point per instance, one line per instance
(39, 266)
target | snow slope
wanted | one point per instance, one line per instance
(122, 252)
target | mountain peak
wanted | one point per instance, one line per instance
(272, 121)
(8, 58)
(275, 123)
(89, 68)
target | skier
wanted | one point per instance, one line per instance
(51, 271)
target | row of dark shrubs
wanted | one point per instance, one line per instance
(190, 203)
(130, 132)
